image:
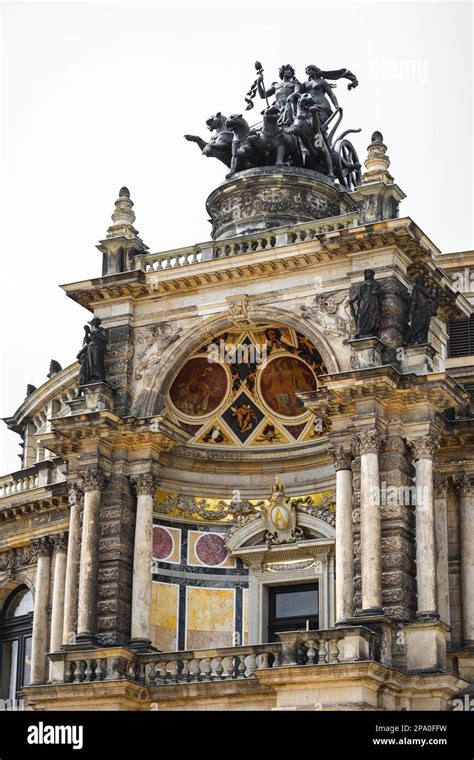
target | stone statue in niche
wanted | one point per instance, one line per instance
(422, 308)
(91, 357)
(366, 303)
(151, 342)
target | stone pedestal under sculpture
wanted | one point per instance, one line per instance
(269, 196)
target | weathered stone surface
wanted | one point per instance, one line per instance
(264, 198)
(116, 561)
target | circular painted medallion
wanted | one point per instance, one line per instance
(162, 543)
(280, 380)
(210, 549)
(199, 388)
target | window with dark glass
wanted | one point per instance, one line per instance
(16, 625)
(292, 608)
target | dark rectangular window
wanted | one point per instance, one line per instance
(292, 608)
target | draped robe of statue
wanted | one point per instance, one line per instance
(369, 308)
(421, 310)
(96, 355)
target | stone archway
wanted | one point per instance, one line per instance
(150, 401)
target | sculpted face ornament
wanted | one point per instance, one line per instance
(298, 128)
(280, 517)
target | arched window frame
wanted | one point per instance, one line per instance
(14, 629)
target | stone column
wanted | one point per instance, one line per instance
(88, 573)
(43, 548)
(344, 539)
(144, 485)
(427, 604)
(59, 580)
(466, 514)
(440, 483)
(369, 443)
(75, 498)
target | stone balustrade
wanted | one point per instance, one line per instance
(221, 249)
(296, 648)
(38, 475)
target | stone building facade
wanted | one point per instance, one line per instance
(256, 510)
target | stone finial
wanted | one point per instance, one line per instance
(30, 389)
(123, 217)
(122, 243)
(377, 161)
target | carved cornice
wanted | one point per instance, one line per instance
(341, 457)
(144, 484)
(368, 442)
(71, 434)
(402, 234)
(423, 447)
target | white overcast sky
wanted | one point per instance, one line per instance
(99, 95)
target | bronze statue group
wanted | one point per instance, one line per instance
(297, 129)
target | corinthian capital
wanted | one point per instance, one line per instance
(368, 442)
(144, 484)
(423, 447)
(75, 493)
(464, 485)
(42, 547)
(93, 479)
(59, 541)
(341, 457)
(440, 485)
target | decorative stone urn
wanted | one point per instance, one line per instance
(266, 197)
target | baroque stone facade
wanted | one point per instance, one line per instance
(246, 441)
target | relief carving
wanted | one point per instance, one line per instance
(151, 342)
(332, 313)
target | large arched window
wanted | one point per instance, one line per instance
(16, 624)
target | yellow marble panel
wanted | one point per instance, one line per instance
(164, 616)
(209, 617)
(245, 617)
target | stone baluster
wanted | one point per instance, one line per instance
(423, 450)
(43, 548)
(440, 483)
(59, 580)
(344, 540)
(88, 574)
(466, 515)
(75, 498)
(368, 444)
(144, 485)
